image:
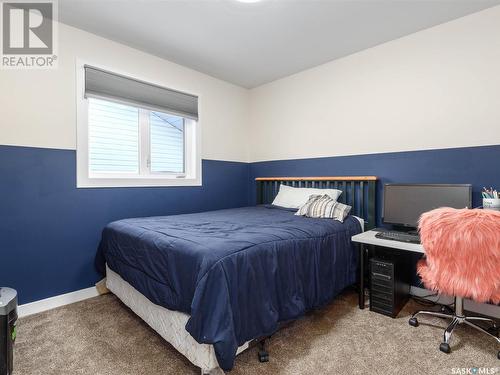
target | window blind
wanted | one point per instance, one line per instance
(113, 137)
(107, 85)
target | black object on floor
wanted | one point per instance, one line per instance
(263, 354)
(8, 318)
(389, 286)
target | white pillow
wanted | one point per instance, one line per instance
(291, 197)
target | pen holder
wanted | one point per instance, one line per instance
(491, 204)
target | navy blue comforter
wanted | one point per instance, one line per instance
(237, 272)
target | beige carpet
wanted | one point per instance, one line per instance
(102, 336)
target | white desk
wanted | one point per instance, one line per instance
(368, 238)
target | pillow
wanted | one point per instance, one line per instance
(292, 197)
(322, 206)
(302, 211)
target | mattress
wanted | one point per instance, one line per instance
(236, 273)
(169, 324)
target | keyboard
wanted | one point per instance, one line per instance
(398, 236)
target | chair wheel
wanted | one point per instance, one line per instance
(263, 356)
(413, 322)
(445, 348)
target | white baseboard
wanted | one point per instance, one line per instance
(80, 295)
(56, 301)
(481, 308)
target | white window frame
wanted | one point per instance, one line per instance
(86, 179)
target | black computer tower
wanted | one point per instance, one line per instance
(389, 285)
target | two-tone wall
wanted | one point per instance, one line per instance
(478, 166)
(423, 108)
(49, 229)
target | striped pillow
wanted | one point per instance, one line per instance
(323, 206)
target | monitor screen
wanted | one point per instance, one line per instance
(404, 203)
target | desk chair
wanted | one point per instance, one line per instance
(462, 259)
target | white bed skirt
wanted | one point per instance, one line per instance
(168, 323)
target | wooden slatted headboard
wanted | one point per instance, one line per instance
(357, 191)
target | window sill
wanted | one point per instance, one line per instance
(136, 182)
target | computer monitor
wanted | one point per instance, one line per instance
(404, 203)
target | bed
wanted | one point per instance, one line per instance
(210, 283)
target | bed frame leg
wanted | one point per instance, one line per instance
(263, 354)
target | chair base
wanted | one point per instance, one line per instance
(457, 318)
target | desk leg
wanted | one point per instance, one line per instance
(361, 276)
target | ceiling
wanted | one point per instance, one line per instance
(250, 44)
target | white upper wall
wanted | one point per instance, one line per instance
(437, 88)
(38, 107)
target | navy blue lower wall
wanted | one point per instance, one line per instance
(49, 229)
(478, 166)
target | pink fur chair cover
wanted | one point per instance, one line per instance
(462, 250)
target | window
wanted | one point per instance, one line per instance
(129, 137)
(120, 136)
